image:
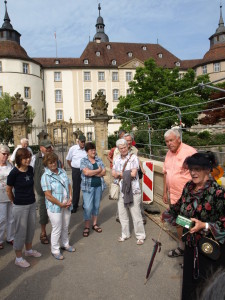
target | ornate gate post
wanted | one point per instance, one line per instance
(19, 120)
(100, 120)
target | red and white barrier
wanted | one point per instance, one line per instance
(147, 182)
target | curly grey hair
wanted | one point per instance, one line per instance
(121, 142)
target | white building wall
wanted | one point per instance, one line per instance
(13, 80)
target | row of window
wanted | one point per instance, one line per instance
(216, 68)
(27, 92)
(26, 69)
(59, 114)
(101, 76)
(88, 94)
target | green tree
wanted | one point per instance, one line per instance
(152, 83)
(6, 133)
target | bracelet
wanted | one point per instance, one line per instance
(206, 226)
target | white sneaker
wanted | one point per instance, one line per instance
(23, 263)
(34, 253)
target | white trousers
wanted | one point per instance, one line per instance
(135, 211)
(6, 222)
(60, 223)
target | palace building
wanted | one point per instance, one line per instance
(61, 88)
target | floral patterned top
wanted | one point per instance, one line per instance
(206, 205)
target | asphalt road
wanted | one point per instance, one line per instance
(101, 267)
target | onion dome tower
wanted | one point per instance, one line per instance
(100, 35)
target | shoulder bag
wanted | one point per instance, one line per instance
(115, 187)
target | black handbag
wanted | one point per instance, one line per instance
(209, 247)
(140, 174)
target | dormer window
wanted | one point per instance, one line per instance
(130, 54)
(98, 53)
(178, 64)
(108, 47)
(144, 48)
(86, 61)
(57, 61)
(160, 55)
(114, 62)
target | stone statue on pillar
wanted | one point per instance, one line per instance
(19, 119)
(100, 120)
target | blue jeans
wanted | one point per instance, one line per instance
(92, 202)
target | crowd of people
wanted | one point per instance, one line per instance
(189, 190)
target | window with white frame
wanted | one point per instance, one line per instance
(25, 68)
(130, 54)
(204, 69)
(113, 62)
(87, 95)
(1, 91)
(87, 113)
(101, 76)
(0, 66)
(89, 136)
(216, 67)
(98, 53)
(59, 115)
(87, 76)
(128, 76)
(57, 76)
(115, 76)
(86, 61)
(115, 94)
(27, 92)
(58, 96)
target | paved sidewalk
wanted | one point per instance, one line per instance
(101, 267)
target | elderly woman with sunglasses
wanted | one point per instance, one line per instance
(92, 186)
(203, 202)
(21, 180)
(6, 217)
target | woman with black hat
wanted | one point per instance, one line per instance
(202, 202)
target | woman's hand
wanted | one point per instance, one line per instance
(199, 225)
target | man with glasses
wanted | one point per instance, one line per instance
(74, 156)
(24, 143)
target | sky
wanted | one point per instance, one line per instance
(183, 27)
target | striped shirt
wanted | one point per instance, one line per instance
(58, 184)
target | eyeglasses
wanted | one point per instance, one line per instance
(5, 154)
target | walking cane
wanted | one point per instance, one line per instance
(156, 247)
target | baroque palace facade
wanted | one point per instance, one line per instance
(61, 88)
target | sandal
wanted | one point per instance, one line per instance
(1, 246)
(121, 239)
(176, 252)
(97, 228)
(69, 249)
(58, 256)
(44, 239)
(86, 232)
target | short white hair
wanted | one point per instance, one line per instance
(24, 140)
(129, 134)
(175, 132)
(4, 148)
(121, 142)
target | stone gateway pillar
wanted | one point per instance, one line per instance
(19, 120)
(100, 120)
